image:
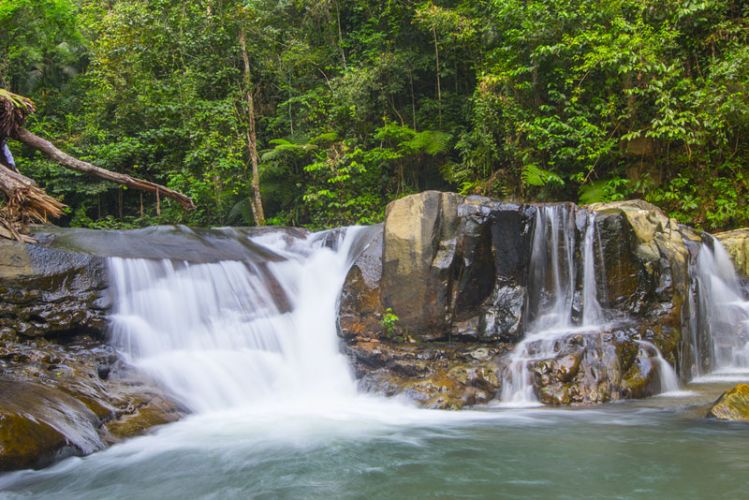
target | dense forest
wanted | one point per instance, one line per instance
(344, 105)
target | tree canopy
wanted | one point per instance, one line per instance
(358, 102)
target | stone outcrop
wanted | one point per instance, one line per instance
(454, 277)
(647, 267)
(732, 405)
(63, 390)
(45, 291)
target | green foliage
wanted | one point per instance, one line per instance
(361, 102)
(389, 322)
(533, 175)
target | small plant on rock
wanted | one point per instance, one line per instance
(389, 322)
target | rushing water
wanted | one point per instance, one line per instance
(231, 334)
(251, 348)
(553, 273)
(720, 319)
(621, 451)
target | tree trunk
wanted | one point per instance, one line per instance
(24, 200)
(437, 64)
(70, 162)
(340, 35)
(256, 202)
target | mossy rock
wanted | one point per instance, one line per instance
(732, 405)
(27, 443)
(152, 414)
(39, 425)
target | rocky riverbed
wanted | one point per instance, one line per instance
(434, 306)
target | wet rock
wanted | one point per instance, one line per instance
(46, 291)
(596, 368)
(39, 425)
(732, 405)
(418, 251)
(456, 273)
(61, 385)
(360, 310)
(648, 262)
(433, 374)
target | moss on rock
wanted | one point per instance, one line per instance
(732, 405)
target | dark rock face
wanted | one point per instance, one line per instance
(360, 310)
(456, 272)
(455, 267)
(50, 292)
(63, 390)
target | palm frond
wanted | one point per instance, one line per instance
(13, 112)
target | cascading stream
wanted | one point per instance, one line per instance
(720, 317)
(553, 274)
(669, 381)
(231, 334)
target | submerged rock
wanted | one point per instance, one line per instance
(732, 405)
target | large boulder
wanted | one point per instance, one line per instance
(455, 279)
(418, 252)
(732, 405)
(39, 425)
(455, 267)
(648, 260)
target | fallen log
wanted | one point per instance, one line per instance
(24, 202)
(72, 163)
(25, 199)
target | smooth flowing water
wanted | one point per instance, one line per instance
(553, 273)
(230, 334)
(720, 319)
(620, 451)
(251, 348)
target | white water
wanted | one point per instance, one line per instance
(232, 334)
(669, 380)
(592, 312)
(720, 314)
(553, 252)
(252, 349)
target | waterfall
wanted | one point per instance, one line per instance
(668, 379)
(552, 284)
(592, 312)
(235, 333)
(719, 325)
(553, 267)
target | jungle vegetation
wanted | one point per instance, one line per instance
(340, 106)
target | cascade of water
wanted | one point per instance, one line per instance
(669, 381)
(230, 334)
(592, 312)
(553, 280)
(720, 315)
(552, 260)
